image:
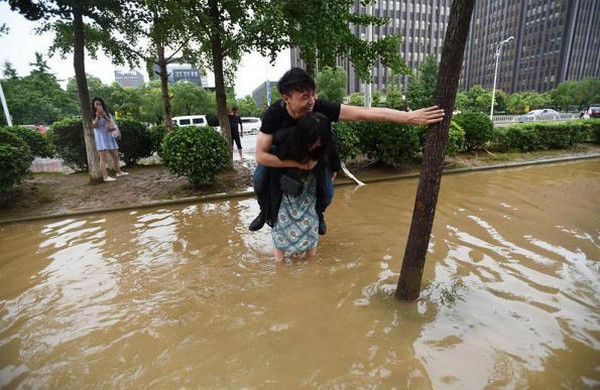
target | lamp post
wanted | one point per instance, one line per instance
(496, 71)
(5, 107)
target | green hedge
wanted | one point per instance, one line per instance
(135, 141)
(198, 153)
(390, 143)
(347, 140)
(478, 127)
(15, 160)
(456, 139)
(38, 143)
(157, 134)
(67, 137)
(527, 137)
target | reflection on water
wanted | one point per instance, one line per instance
(188, 298)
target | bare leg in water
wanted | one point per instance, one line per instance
(279, 255)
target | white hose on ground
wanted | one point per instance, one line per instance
(351, 176)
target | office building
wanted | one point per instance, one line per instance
(260, 93)
(555, 41)
(129, 78)
(421, 23)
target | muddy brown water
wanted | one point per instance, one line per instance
(187, 298)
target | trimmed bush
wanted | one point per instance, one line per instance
(347, 140)
(135, 142)
(67, 137)
(389, 143)
(198, 153)
(157, 134)
(456, 139)
(544, 135)
(595, 126)
(478, 127)
(38, 143)
(15, 160)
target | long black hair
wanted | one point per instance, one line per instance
(101, 102)
(312, 127)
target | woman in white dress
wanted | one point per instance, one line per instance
(104, 125)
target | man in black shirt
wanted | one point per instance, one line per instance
(234, 123)
(297, 90)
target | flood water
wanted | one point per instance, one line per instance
(187, 298)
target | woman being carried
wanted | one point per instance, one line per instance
(293, 191)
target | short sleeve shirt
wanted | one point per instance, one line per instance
(234, 122)
(277, 117)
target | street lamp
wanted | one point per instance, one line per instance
(496, 71)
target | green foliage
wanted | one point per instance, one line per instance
(192, 99)
(356, 99)
(135, 142)
(157, 134)
(331, 84)
(420, 90)
(198, 153)
(478, 129)
(67, 137)
(248, 107)
(528, 137)
(456, 139)
(38, 142)
(322, 31)
(523, 102)
(390, 143)
(15, 160)
(394, 97)
(36, 98)
(376, 99)
(576, 93)
(347, 140)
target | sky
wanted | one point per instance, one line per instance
(21, 43)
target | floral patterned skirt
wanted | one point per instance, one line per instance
(297, 226)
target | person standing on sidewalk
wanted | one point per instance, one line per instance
(104, 125)
(237, 131)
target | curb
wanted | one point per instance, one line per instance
(248, 194)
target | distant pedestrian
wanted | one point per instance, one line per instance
(106, 142)
(237, 131)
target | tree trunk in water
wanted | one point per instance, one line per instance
(93, 158)
(164, 86)
(409, 284)
(217, 59)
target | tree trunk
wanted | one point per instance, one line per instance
(409, 284)
(93, 158)
(164, 85)
(217, 59)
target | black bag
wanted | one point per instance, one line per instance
(291, 185)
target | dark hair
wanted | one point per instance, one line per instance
(313, 126)
(295, 80)
(101, 102)
(234, 108)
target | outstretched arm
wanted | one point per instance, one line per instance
(424, 116)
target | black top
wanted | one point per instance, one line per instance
(234, 122)
(277, 121)
(277, 117)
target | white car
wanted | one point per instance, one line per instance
(190, 120)
(540, 115)
(251, 124)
